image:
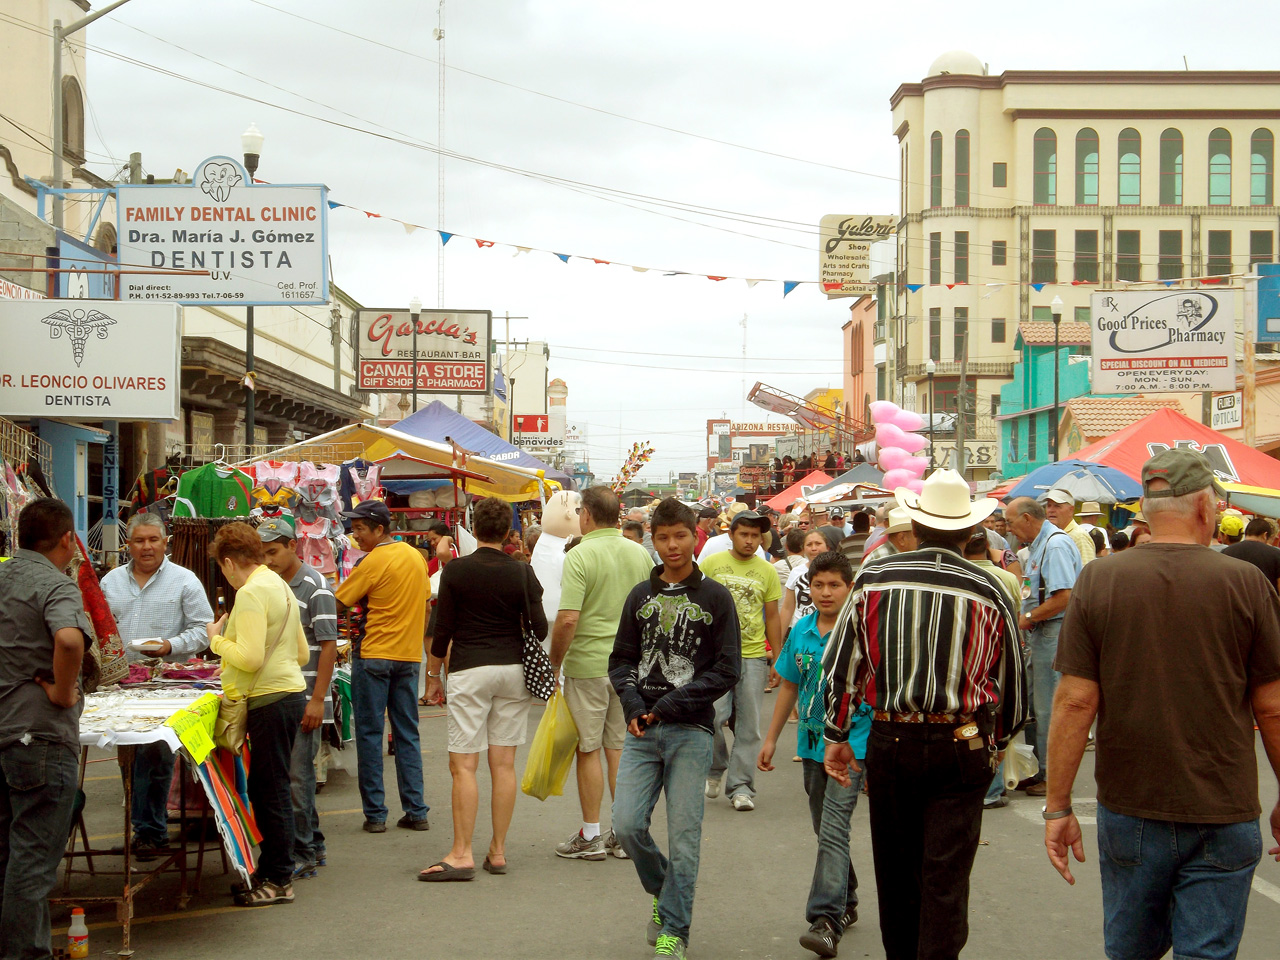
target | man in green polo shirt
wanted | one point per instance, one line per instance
(598, 576)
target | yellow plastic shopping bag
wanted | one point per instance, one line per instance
(554, 745)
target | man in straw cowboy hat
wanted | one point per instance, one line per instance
(930, 641)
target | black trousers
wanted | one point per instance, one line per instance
(925, 790)
(272, 730)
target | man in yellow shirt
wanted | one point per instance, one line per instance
(395, 590)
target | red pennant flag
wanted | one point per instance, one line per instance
(951, 286)
(368, 214)
(828, 287)
(709, 277)
(1212, 279)
(605, 262)
(484, 243)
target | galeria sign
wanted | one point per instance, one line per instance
(250, 243)
(91, 360)
(844, 251)
(453, 351)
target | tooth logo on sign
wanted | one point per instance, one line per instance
(77, 324)
(218, 179)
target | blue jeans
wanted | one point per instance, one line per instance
(390, 688)
(37, 792)
(831, 806)
(152, 778)
(1044, 683)
(1179, 885)
(672, 758)
(308, 841)
(743, 702)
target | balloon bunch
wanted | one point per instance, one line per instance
(897, 444)
(636, 459)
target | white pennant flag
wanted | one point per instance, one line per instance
(640, 269)
(752, 283)
(410, 227)
(520, 250)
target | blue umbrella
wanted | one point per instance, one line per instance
(1083, 480)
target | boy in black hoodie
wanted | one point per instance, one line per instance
(677, 651)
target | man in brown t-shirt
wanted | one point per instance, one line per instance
(1176, 650)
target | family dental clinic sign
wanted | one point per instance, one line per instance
(256, 244)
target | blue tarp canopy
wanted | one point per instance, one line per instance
(436, 422)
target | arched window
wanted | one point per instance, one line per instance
(1087, 168)
(962, 168)
(935, 169)
(1220, 168)
(1130, 167)
(1262, 146)
(1171, 168)
(1045, 186)
(72, 119)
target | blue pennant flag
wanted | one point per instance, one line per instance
(444, 237)
(915, 287)
(1168, 283)
(564, 257)
(499, 383)
(334, 204)
(789, 285)
(1037, 287)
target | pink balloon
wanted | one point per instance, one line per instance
(916, 465)
(915, 486)
(908, 420)
(883, 411)
(891, 458)
(897, 478)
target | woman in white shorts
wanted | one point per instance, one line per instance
(479, 628)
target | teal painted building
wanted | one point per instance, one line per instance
(1026, 404)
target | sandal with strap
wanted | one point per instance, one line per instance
(266, 894)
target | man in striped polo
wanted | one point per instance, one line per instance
(319, 613)
(930, 641)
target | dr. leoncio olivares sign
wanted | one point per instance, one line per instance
(453, 351)
(90, 359)
(255, 243)
(1163, 341)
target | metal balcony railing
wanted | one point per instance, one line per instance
(951, 368)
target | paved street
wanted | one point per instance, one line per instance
(753, 883)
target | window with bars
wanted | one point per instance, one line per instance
(935, 334)
(961, 257)
(946, 395)
(998, 330)
(1261, 247)
(1170, 246)
(1171, 168)
(1219, 168)
(1262, 146)
(1045, 167)
(1013, 441)
(1129, 167)
(1128, 255)
(935, 258)
(1086, 263)
(935, 169)
(962, 168)
(960, 340)
(995, 405)
(999, 174)
(1031, 437)
(1044, 256)
(1087, 168)
(999, 253)
(1219, 264)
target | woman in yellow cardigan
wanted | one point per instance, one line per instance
(263, 650)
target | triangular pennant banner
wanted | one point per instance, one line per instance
(334, 204)
(951, 286)
(1212, 279)
(564, 257)
(520, 250)
(484, 243)
(373, 216)
(444, 237)
(789, 285)
(709, 277)
(915, 287)
(1168, 283)
(640, 269)
(1037, 287)
(752, 283)
(676, 273)
(605, 262)
(828, 287)
(409, 227)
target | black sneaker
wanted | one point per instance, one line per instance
(375, 826)
(821, 938)
(408, 823)
(850, 917)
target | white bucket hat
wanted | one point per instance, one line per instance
(943, 503)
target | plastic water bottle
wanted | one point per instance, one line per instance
(77, 936)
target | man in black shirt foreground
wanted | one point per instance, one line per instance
(1256, 549)
(677, 651)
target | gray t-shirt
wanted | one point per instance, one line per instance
(319, 613)
(36, 601)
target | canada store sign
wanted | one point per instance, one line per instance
(452, 351)
(90, 360)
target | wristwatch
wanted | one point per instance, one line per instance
(1047, 814)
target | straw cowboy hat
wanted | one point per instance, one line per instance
(899, 521)
(943, 503)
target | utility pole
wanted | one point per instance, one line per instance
(1249, 394)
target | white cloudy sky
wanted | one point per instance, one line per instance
(646, 357)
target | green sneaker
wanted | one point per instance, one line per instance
(669, 947)
(655, 925)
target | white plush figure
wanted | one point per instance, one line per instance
(560, 524)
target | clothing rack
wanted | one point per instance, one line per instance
(338, 453)
(190, 538)
(19, 447)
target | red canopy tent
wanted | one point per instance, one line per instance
(1128, 449)
(797, 490)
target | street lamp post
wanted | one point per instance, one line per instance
(251, 145)
(1057, 322)
(415, 311)
(930, 368)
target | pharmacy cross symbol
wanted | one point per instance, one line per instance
(78, 324)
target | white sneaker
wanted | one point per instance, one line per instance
(713, 788)
(742, 802)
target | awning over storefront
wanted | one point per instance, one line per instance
(801, 488)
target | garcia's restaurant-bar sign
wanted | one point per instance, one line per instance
(255, 243)
(453, 351)
(90, 359)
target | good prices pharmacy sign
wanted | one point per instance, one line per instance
(90, 359)
(245, 243)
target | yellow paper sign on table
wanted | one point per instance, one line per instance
(194, 726)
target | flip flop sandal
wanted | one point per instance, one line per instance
(495, 868)
(266, 894)
(446, 873)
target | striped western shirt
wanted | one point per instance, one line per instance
(925, 632)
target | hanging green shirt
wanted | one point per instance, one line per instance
(214, 490)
